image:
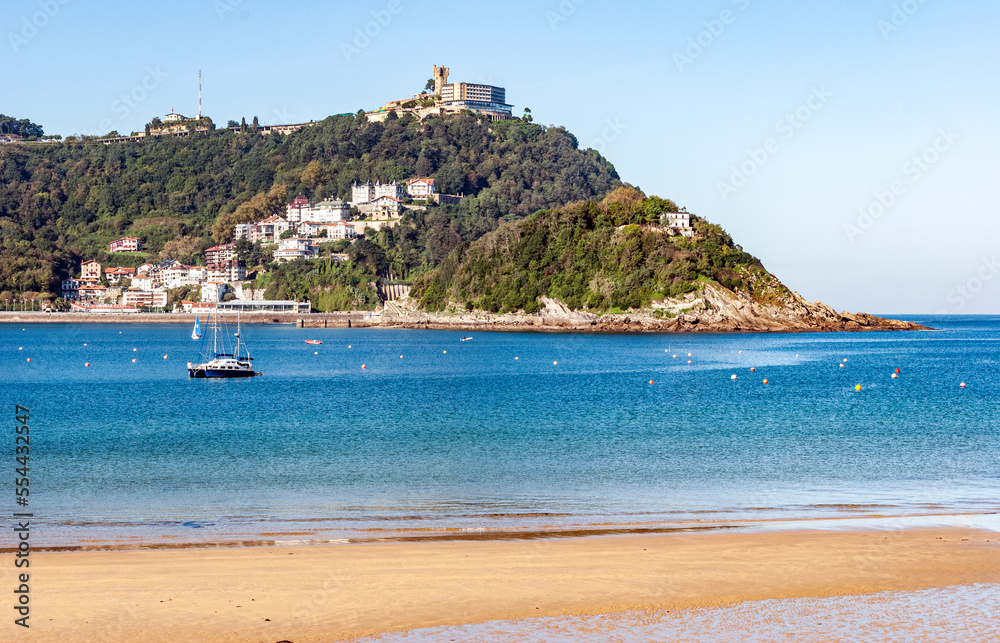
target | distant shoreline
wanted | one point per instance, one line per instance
(612, 324)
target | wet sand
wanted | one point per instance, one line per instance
(336, 592)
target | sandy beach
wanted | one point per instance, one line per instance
(337, 592)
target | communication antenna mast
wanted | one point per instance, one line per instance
(199, 94)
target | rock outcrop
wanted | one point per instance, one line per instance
(711, 309)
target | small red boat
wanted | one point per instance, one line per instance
(314, 341)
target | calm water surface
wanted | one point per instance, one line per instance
(438, 436)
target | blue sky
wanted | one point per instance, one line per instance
(852, 146)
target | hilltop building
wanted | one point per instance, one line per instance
(678, 221)
(488, 100)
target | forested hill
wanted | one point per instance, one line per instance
(594, 255)
(63, 202)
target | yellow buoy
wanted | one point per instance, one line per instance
(689, 354)
(675, 357)
(857, 387)
(894, 376)
(444, 351)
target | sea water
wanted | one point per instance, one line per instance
(382, 434)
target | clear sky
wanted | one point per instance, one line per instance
(851, 145)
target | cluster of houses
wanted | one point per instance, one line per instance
(146, 286)
(382, 204)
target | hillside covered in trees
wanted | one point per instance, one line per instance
(63, 202)
(595, 255)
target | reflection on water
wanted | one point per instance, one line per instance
(950, 614)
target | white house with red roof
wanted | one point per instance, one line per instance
(114, 275)
(421, 188)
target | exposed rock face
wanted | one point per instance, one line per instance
(711, 309)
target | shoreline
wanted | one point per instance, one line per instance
(616, 324)
(339, 592)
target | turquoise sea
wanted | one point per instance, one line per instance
(508, 435)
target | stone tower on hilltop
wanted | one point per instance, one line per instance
(440, 78)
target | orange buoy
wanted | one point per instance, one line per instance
(400, 357)
(741, 352)
(897, 370)
(133, 360)
(29, 359)
(164, 357)
(753, 370)
(765, 380)
(364, 366)
(555, 363)
(348, 345)
(86, 364)
(962, 385)
(675, 357)
(20, 348)
(315, 352)
(516, 359)
(841, 366)
(84, 344)
(733, 376)
(689, 361)
(650, 381)
(845, 359)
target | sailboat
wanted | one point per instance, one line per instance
(223, 364)
(196, 333)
